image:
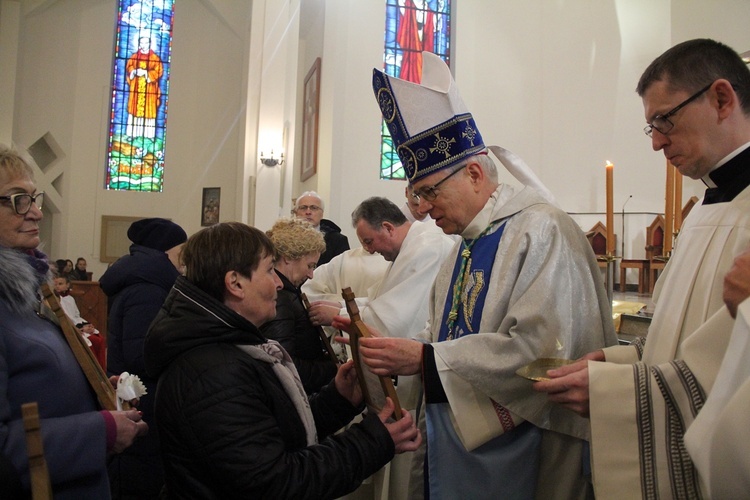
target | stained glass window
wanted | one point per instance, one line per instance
(140, 85)
(411, 26)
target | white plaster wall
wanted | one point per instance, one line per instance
(63, 87)
(311, 34)
(550, 80)
(10, 14)
(277, 101)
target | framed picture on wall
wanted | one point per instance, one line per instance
(210, 206)
(310, 122)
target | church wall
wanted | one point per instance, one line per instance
(354, 42)
(64, 63)
(277, 102)
(10, 14)
(552, 81)
(311, 37)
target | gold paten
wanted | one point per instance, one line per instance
(537, 370)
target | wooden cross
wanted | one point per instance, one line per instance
(374, 398)
(321, 333)
(41, 489)
(95, 375)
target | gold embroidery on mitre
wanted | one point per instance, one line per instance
(408, 160)
(387, 104)
(443, 145)
(470, 133)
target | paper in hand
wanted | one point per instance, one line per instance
(129, 387)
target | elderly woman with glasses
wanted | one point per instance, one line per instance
(36, 363)
(298, 247)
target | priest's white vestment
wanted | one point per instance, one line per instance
(639, 412)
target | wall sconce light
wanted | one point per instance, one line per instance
(270, 161)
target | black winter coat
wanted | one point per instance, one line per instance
(136, 285)
(336, 243)
(293, 330)
(228, 428)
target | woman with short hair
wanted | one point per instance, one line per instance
(234, 421)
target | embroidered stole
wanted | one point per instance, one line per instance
(463, 309)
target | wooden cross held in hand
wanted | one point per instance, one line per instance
(321, 333)
(95, 375)
(41, 488)
(374, 398)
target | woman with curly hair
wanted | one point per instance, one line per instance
(298, 246)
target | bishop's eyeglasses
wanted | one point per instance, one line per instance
(429, 193)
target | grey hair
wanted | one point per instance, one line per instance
(314, 195)
(14, 163)
(485, 161)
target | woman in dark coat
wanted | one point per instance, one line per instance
(233, 419)
(36, 363)
(137, 285)
(298, 246)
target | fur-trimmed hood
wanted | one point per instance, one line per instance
(19, 280)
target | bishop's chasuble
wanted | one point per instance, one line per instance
(531, 289)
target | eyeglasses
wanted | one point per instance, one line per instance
(21, 202)
(304, 208)
(662, 124)
(429, 193)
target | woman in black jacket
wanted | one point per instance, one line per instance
(233, 419)
(298, 247)
(137, 285)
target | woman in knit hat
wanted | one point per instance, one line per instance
(137, 285)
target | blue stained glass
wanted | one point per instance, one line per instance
(140, 86)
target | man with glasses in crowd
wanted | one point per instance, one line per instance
(523, 284)
(309, 206)
(696, 98)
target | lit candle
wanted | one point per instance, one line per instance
(610, 210)
(669, 210)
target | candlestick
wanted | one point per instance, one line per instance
(610, 209)
(669, 210)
